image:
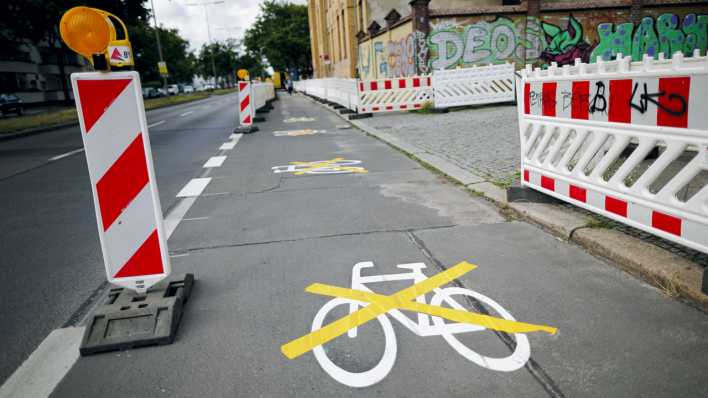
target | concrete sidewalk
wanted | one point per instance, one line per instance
(479, 148)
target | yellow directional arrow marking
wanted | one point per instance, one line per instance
(403, 299)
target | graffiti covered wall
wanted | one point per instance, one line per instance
(393, 54)
(559, 37)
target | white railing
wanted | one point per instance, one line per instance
(444, 88)
(336, 90)
(262, 93)
(628, 140)
(474, 86)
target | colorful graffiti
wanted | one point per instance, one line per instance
(456, 43)
(564, 46)
(396, 58)
(484, 42)
(666, 36)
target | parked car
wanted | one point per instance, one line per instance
(172, 89)
(10, 103)
(188, 89)
(161, 92)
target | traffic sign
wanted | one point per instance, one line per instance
(128, 213)
(162, 67)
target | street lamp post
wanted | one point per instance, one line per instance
(206, 15)
(159, 45)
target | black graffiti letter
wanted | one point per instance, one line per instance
(599, 96)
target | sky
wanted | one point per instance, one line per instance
(230, 19)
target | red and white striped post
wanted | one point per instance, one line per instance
(128, 213)
(245, 103)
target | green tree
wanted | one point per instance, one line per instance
(281, 35)
(227, 60)
(181, 63)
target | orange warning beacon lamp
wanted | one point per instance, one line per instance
(91, 33)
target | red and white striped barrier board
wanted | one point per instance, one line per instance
(246, 109)
(628, 140)
(394, 95)
(126, 200)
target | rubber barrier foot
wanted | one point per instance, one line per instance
(129, 320)
(359, 116)
(245, 129)
(520, 193)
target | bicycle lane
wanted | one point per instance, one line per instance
(255, 239)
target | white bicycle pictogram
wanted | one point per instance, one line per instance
(422, 327)
(332, 166)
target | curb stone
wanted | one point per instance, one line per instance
(673, 275)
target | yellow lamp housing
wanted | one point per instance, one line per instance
(242, 74)
(90, 33)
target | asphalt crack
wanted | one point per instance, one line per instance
(533, 367)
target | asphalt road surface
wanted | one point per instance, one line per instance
(255, 239)
(51, 261)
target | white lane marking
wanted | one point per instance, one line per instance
(179, 255)
(214, 161)
(227, 146)
(39, 375)
(194, 187)
(195, 219)
(46, 366)
(235, 137)
(156, 124)
(217, 194)
(63, 155)
(186, 113)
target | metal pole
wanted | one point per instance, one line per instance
(213, 66)
(159, 46)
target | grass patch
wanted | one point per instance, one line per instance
(427, 107)
(669, 287)
(49, 119)
(598, 223)
(508, 181)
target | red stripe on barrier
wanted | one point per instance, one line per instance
(389, 107)
(247, 119)
(548, 183)
(242, 86)
(580, 100)
(361, 86)
(416, 105)
(616, 206)
(373, 86)
(97, 96)
(401, 83)
(526, 176)
(122, 182)
(579, 194)
(245, 102)
(620, 98)
(403, 106)
(147, 260)
(673, 105)
(374, 109)
(548, 99)
(666, 222)
(429, 83)
(387, 84)
(416, 82)
(527, 99)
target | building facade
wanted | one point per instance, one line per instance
(405, 37)
(32, 72)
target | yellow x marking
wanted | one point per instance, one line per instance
(326, 164)
(403, 299)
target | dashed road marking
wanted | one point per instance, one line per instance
(63, 155)
(186, 113)
(227, 146)
(156, 124)
(194, 187)
(214, 161)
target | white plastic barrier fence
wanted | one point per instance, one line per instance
(397, 94)
(474, 86)
(262, 93)
(343, 92)
(628, 140)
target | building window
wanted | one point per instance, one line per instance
(344, 36)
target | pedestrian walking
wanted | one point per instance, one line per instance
(290, 86)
